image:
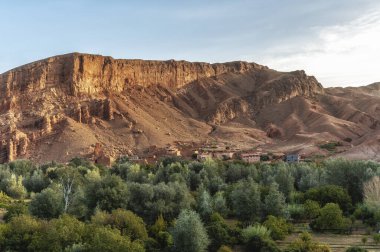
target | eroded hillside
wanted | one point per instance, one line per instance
(65, 106)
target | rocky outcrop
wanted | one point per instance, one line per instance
(92, 74)
(288, 86)
(86, 112)
(229, 110)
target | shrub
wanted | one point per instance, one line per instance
(296, 211)
(331, 218)
(260, 244)
(331, 146)
(127, 222)
(304, 243)
(15, 209)
(312, 209)
(224, 248)
(356, 249)
(257, 238)
(278, 227)
(255, 230)
(376, 238)
(364, 240)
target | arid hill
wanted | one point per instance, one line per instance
(69, 105)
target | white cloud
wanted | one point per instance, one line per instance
(339, 55)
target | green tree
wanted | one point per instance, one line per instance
(22, 167)
(189, 234)
(58, 234)
(47, 204)
(15, 188)
(128, 223)
(19, 233)
(107, 194)
(36, 182)
(284, 178)
(350, 175)
(274, 203)
(204, 204)
(160, 233)
(149, 201)
(219, 204)
(246, 201)
(105, 239)
(218, 231)
(330, 194)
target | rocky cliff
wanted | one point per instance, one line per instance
(93, 74)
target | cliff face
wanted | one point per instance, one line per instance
(219, 100)
(92, 74)
(77, 101)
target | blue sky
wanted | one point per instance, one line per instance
(338, 41)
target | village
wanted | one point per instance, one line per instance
(212, 150)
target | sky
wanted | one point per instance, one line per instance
(338, 41)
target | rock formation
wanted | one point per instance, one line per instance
(59, 107)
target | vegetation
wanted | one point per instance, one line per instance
(180, 205)
(331, 146)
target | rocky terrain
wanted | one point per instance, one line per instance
(78, 104)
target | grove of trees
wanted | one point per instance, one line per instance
(180, 205)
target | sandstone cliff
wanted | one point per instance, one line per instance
(92, 74)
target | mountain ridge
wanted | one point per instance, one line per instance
(65, 105)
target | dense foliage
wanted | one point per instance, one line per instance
(180, 205)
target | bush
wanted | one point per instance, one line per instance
(19, 233)
(305, 244)
(331, 218)
(128, 223)
(376, 238)
(105, 239)
(5, 200)
(261, 244)
(224, 248)
(296, 211)
(255, 230)
(257, 238)
(278, 227)
(312, 209)
(15, 209)
(330, 146)
(356, 249)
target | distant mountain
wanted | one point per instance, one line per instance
(69, 105)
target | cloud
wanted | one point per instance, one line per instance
(338, 55)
